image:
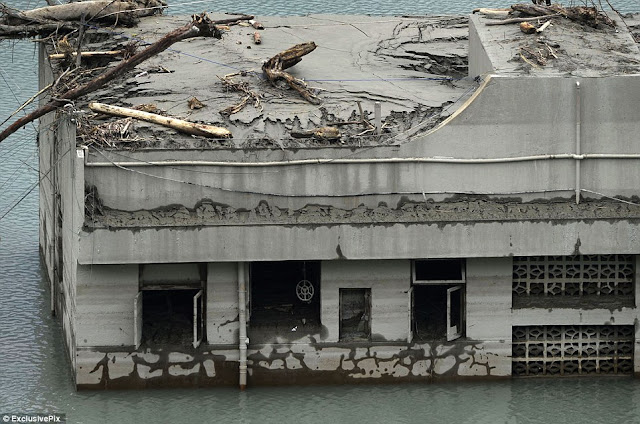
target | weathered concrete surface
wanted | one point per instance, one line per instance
(274, 364)
(389, 283)
(488, 299)
(465, 209)
(495, 124)
(581, 51)
(368, 241)
(105, 304)
(222, 303)
(359, 58)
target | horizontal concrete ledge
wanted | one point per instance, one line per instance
(386, 241)
(538, 316)
(449, 160)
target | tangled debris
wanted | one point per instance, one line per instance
(274, 69)
(200, 25)
(570, 23)
(242, 87)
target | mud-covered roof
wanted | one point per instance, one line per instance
(565, 48)
(416, 67)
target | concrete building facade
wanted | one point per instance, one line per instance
(503, 241)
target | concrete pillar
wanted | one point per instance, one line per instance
(489, 302)
(222, 303)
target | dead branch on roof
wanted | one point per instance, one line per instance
(200, 26)
(108, 133)
(242, 87)
(192, 128)
(491, 12)
(517, 20)
(110, 53)
(274, 69)
(233, 21)
(363, 120)
(322, 133)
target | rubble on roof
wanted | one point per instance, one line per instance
(414, 67)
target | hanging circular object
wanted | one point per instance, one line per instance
(305, 290)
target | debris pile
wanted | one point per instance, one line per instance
(545, 22)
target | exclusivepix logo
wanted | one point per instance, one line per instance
(33, 418)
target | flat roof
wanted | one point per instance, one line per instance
(566, 47)
(416, 67)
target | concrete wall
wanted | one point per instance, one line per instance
(222, 303)
(488, 298)
(105, 305)
(391, 241)
(479, 62)
(170, 273)
(389, 283)
(47, 199)
(508, 117)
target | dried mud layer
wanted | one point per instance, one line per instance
(415, 67)
(458, 210)
(565, 48)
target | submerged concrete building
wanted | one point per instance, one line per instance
(491, 228)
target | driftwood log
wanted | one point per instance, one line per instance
(322, 133)
(274, 69)
(200, 25)
(186, 127)
(491, 12)
(109, 53)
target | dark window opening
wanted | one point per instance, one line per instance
(438, 312)
(285, 298)
(439, 269)
(168, 317)
(355, 314)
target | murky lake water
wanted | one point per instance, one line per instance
(34, 374)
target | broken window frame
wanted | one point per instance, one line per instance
(199, 311)
(453, 331)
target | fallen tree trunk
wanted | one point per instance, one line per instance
(274, 69)
(88, 54)
(186, 127)
(200, 26)
(74, 11)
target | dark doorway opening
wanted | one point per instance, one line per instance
(438, 312)
(285, 298)
(355, 314)
(168, 317)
